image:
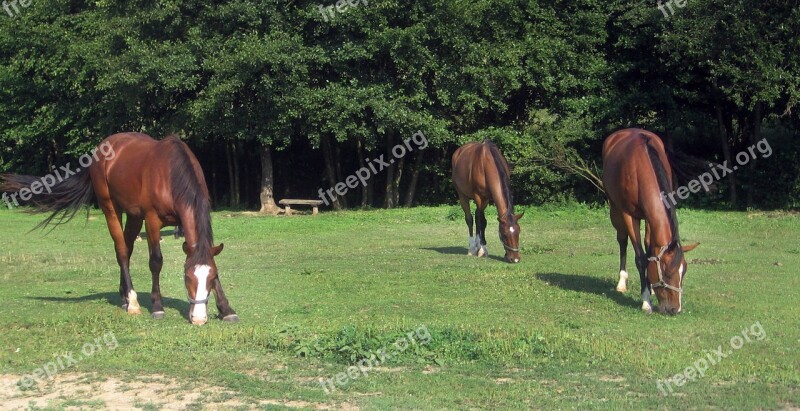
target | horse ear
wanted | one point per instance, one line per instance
(690, 247)
(218, 249)
(520, 215)
(186, 249)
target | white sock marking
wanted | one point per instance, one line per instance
(133, 302)
(622, 285)
(646, 305)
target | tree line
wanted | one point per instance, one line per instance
(282, 98)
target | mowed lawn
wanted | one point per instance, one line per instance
(317, 294)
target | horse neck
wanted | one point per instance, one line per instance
(189, 222)
(658, 217)
(500, 195)
(501, 192)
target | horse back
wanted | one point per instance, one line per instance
(629, 176)
(140, 175)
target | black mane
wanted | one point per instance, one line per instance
(504, 178)
(189, 190)
(665, 187)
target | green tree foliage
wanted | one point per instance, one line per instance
(283, 98)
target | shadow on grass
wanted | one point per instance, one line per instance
(459, 251)
(593, 285)
(115, 300)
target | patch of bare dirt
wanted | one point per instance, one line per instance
(90, 391)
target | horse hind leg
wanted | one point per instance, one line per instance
(480, 215)
(622, 285)
(473, 244)
(622, 238)
(124, 250)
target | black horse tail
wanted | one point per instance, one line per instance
(61, 197)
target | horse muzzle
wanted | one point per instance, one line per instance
(198, 314)
(512, 254)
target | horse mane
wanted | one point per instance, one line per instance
(663, 187)
(188, 189)
(501, 171)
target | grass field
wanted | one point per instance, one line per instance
(317, 294)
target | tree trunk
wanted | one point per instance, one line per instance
(725, 140)
(412, 185)
(362, 164)
(233, 189)
(754, 137)
(330, 171)
(267, 183)
(398, 173)
(237, 194)
(388, 199)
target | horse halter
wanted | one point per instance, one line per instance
(512, 249)
(661, 283)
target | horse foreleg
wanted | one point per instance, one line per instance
(641, 263)
(156, 262)
(225, 310)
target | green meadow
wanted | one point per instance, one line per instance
(316, 295)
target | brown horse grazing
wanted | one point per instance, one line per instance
(481, 173)
(636, 171)
(158, 183)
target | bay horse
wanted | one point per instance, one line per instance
(480, 173)
(158, 183)
(636, 173)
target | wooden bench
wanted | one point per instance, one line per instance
(286, 203)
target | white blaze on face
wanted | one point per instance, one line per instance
(201, 272)
(511, 229)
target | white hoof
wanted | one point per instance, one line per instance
(133, 303)
(647, 308)
(483, 251)
(622, 285)
(474, 246)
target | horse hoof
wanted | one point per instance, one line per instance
(157, 315)
(622, 289)
(134, 311)
(232, 318)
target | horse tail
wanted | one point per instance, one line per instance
(63, 199)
